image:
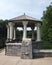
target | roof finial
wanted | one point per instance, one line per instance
(24, 13)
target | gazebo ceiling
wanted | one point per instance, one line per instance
(24, 17)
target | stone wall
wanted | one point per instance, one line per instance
(13, 49)
(27, 50)
(39, 51)
(42, 53)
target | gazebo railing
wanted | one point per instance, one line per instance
(42, 45)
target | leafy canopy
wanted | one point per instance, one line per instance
(47, 24)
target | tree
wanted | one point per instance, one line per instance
(2, 33)
(46, 29)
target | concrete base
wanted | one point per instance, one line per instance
(13, 49)
(42, 53)
(27, 50)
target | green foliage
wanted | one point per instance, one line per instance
(19, 35)
(2, 33)
(46, 29)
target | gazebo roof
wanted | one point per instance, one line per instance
(24, 17)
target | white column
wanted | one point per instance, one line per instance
(8, 32)
(38, 32)
(11, 30)
(24, 29)
(14, 33)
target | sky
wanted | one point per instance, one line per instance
(13, 8)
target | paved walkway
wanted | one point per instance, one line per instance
(13, 60)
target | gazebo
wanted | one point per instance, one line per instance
(22, 49)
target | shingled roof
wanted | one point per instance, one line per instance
(24, 17)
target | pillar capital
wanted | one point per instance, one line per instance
(7, 25)
(25, 22)
(11, 24)
(38, 24)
